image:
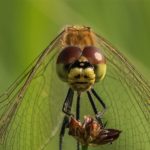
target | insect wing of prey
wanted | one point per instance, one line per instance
(30, 110)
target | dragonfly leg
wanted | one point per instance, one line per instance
(78, 108)
(67, 110)
(98, 98)
(98, 116)
(78, 115)
(68, 102)
(62, 131)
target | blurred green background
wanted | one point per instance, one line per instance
(27, 27)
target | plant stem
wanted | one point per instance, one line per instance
(84, 147)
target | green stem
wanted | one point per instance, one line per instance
(84, 147)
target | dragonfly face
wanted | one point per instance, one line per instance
(81, 68)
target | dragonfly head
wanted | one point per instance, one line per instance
(81, 68)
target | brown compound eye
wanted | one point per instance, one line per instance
(96, 58)
(69, 55)
(93, 55)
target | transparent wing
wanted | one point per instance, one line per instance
(26, 118)
(127, 96)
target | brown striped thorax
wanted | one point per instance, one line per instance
(80, 62)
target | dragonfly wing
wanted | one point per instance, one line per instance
(30, 108)
(126, 95)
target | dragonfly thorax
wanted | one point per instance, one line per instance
(78, 36)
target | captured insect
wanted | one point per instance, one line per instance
(90, 132)
(31, 108)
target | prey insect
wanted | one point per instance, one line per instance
(30, 110)
(90, 132)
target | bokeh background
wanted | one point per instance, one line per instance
(27, 27)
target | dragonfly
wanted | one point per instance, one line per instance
(31, 108)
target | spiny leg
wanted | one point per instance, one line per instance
(68, 102)
(98, 98)
(78, 115)
(62, 131)
(67, 110)
(78, 108)
(101, 102)
(98, 117)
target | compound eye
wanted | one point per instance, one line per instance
(69, 54)
(93, 55)
(96, 58)
(66, 57)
